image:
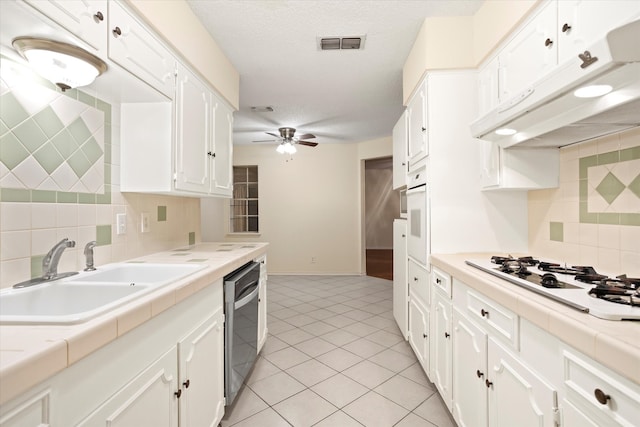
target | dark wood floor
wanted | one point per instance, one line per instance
(380, 263)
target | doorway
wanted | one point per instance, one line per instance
(382, 206)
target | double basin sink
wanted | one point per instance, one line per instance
(83, 296)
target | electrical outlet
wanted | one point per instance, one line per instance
(144, 222)
(313, 260)
(121, 223)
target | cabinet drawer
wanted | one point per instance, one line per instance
(418, 279)
(586, 382)
(498, 320)
(441, 281)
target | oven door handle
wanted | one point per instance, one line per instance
(419, 189)
(247, 299)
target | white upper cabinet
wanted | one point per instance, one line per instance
(86, 19)
(222, 148)
(488, 87)
(400, 140)
(140, 52)
(530, 54)
(417, 126)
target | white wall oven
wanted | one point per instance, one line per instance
(418, 232)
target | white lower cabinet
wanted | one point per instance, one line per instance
(262, 303)
(400, 285)
(441, 346)
(419, 330)
(31, 411)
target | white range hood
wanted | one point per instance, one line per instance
(548, 114)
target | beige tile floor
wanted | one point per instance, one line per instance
(335, 358)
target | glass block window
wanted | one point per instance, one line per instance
(244, 204)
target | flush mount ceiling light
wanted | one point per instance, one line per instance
(286, 147)
(592, 91)
(65, 65)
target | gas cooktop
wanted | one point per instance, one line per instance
(580, 287)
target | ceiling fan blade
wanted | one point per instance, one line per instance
(307, 136)
(272, 134)
(308, 143)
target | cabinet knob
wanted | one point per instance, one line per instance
(187, 383)
(98, 17)
(423, 128)
(404, 235)
(484, 313)
(415, 279)
(178, 393)
(601, 396)
(211, 153)
(479, 374)
(548, 42)
(488, 383)
(404, 163)
(447, 334)
(566, 27)
(259, 300)
(424, 335)
(117, 32)
(438, 281)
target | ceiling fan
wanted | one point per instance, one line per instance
(288, 140)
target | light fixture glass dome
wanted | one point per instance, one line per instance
(286, 147)
(63, 64)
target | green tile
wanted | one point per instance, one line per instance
(104, 199)
(86, 98)
(12, 153)
(634, 186)
(107, 135)
(3, 128)
(49, 122)
(64, 197)
(587, 217)
(630, 219)
(79, 130)
(92, 150)
(48, 157)
(36, 266)
(107, 154)
(162, 213)
(632, 153)
(65, 144)
(610, 157)
(71, 93)
(107, 174)
(15, 195)
(556, 231)
(106, 109)
(87, 198)
(11, 110)
(30, 135)
(610, 187)
(585, 163)
(608, 218)
(103, 234)
(43, 196)
(79, 163)
(192, 238)
(583, 190)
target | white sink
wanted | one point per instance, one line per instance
(86, 295)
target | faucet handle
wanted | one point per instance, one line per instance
(88, 253)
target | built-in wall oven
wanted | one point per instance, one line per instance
(418, 233)
(241, 326)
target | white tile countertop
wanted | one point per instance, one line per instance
(615, 344)
(30, 354)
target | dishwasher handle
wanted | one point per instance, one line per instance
(241, 302)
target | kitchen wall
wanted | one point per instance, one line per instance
(59, 177)
(593, 217)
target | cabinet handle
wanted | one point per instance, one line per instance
(415, 279)
(438, 281)
(186, 384)
(117, 32)
(423, 128)
(548, 42)
(424, 335)
(488, 383)
(566, 27)
(479, 374)
(178, 393)
(98, 16)
(404, 164)
(447, 334)
(210, 153)
(601, 396)
(484, 313)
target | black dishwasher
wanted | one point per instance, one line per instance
(241, 326)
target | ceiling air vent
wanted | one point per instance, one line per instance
(341, 43)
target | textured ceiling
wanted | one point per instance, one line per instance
(340, 96)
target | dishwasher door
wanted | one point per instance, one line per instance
(241, 327)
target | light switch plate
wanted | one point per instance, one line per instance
(121, 223)
(144, 222)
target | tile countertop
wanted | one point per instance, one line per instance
(615, 344)
(30, 354)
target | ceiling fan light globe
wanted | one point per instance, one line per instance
(281, 149)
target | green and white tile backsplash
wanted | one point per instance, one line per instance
(593, 217)
(59, 177)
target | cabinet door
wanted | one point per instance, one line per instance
(86, 19)
(488, 87)
(574, 417)
(201, 368)
(138, 51)
(518, 396)
(400, 285)
(262, 313)
(531, 54)
(222, 148)
(441, 347)
(469, 360)
(31, 412)
(400, 152)
(582, 22)
(147, 400)
(419, 331)
(193, 133)
(417, 125)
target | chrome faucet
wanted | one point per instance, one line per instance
(51, 259)
(88, 253)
